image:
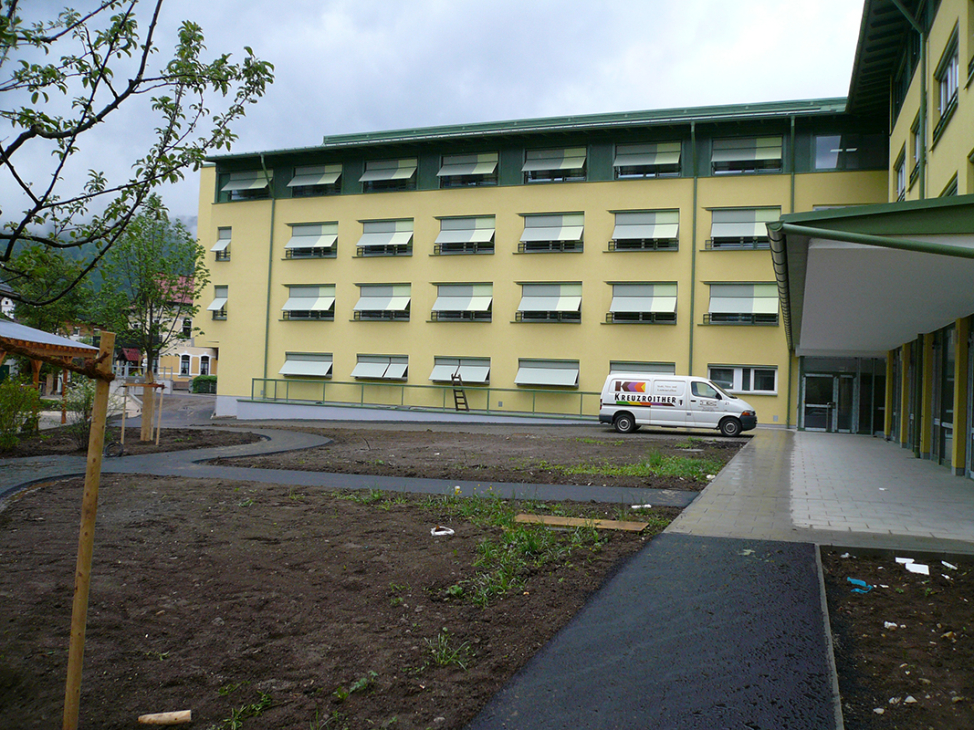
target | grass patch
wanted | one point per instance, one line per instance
(657, 465)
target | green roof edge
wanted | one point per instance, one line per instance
(584, 122)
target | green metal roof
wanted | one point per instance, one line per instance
(883, 37)
(580, 123)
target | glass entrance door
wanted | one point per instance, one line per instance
(829, 403)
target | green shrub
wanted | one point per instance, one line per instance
(204, 384)
(20, 406)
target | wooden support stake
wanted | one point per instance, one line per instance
(159, 417)
(86, 537)
(125, 408)
(148, 407)
(554, 521)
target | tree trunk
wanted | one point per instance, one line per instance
(148, 407)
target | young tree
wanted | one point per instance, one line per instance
(150, 281)
(63, 77)
(45, 270)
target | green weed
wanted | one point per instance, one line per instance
(444, 653)
(657, 465)
(359, 685)
(246, 712)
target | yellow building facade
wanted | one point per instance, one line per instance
(528, 257)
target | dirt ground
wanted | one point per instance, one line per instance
(64, 441)
(906, 646)
(506, 455)
(263, 606)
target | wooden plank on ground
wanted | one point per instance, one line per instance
(553, 521)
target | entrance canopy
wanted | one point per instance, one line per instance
(861, 281)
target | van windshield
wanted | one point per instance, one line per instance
(722, 391)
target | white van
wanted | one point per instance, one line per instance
(631, 400)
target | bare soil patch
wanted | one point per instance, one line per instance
(62, 440)
(539, 456)
(910, 636)
(301, 608)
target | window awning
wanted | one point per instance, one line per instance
(540, 372)
(252, 180)
(219, 302)
(743, 222)
(388, 170)
(463, 298)
(650, 224)
(318, 235)
(561, 159)
(310, 298)
(466, 230)
(633, 155)
(377, 367)
(743, 299)
(222, 239)
(307, 364)
(386, 233)
(550, 298)
(564, 227)
(482, 164)
(746, 149)
(470, 370)
(384, 298)
(656, 298)
(315, 175)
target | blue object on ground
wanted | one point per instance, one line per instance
(864, 587)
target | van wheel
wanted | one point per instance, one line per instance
(625, 423)
(730, 427)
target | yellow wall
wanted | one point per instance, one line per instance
(949, 155)
(241, 338)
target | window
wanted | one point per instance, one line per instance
(950, 189)
(315, 180)
(462, 171)
(384, 175)
(850, 152)
(250, 185)
(646, 230)
(383, 302)
(465, 235)
(647, 160)
(745, 155)
(630, 366)
(463, 303)
(947, 77)
(219, 304)
(552, 233)
(386, 238)
(642, 304)
(187, 327)
(562, 165)
(310, 302)
(916, 142)
(741, 228)
(307, 364)
(474, 370)
(184, 365)
(204, 364)
(312, 241)
(743, 304)
(899, 168)
(563, 373)
(550, 303)
(381, 367)
(222, 246)
(736, 379)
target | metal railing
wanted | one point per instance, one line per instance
(553, 402)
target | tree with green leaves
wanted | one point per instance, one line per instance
(151, 280)
(64, 78)
(47, 269)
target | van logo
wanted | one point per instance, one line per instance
(630, 386)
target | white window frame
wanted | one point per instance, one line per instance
(646, 230)
(381, 367)
(566, 164)
(313, 180)
(744, 377)
(550, 302)
(742, 303)
(309, 302)
(467, 235)
(642, 302)
(383, 303)
(637, 161)
(221, 295)
(463, 303)
(312, 240)
(737, 229)
(462, 171)
(386, 238)
(552, 233)
(472, 370)
(221, 248)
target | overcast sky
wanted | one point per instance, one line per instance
(346, 66)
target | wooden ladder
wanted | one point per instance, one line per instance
(459, 394)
